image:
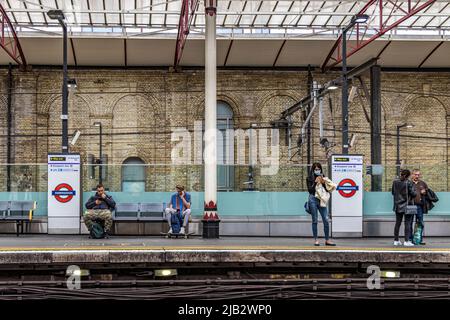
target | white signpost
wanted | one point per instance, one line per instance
(347, 200)
(64, 193)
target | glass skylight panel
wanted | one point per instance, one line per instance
(158, 19)
(97, 18)
(316, 15)
(172, 19)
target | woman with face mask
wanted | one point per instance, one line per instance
(316, 176)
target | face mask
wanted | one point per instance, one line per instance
(317, 172)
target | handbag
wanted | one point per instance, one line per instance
(307, 207)
(410, 209)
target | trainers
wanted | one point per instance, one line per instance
(170, 231)
(182, 230)
(408, 244)
(397, 243)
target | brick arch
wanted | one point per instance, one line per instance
(262, 104)
(135, 115)
(133, 155)
(428, 115)
(231, 100)
(114, 99)
(409, 98)
(44, 106)
(49, 119)
(288, 93)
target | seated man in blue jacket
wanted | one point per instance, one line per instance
(180, 202)
(99, 208)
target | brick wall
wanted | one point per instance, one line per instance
(138, 110)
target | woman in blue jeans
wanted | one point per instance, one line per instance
(316, 176)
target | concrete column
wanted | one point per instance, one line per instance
(210, 112)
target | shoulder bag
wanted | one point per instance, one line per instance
(410, 209)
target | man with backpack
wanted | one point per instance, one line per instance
(99, 208)
(424, 201)
(179, 210)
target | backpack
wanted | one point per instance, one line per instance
(97, 231)
(176, 222)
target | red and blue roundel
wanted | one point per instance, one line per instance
(347, 188)
(63, 192)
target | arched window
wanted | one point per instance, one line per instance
(133, 175)
(225, 148)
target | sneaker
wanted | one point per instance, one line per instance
(170, 231)
(397, 243)
(408, 244)
(182, 230)
(423, 243)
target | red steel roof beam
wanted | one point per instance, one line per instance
(12, 48)
(382, 31)
(338, 41)
(188, 8)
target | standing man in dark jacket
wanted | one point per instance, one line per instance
(420, 200)
(99, 207)
(404, 194)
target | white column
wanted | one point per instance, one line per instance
(210, 111)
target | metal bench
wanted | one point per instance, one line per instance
(4, 206)
(145, 211)
(19, 211)
(151, 211)
(126, 212)
(138, 212)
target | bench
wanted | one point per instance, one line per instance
(19, 211)
(139, 212)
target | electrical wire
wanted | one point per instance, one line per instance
(315, 288)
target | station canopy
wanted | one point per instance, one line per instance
(250, 33)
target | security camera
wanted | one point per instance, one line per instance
(353, 140)
(75, 137)
(352, 94)
(325, 143)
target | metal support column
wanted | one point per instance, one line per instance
(308, 110)
(344, 94)
(65, 97)
(375, 124)
(9, 124)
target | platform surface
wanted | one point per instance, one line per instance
(82, 242)
(59, 249)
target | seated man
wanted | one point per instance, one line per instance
(179, 202)
(99, 208)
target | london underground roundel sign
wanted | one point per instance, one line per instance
(347, 188)
(63, 192)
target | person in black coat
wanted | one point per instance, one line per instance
(404, 193)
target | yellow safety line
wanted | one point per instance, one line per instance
(212, 248)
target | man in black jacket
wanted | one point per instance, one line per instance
(99, 207)
(419, 200)
(404, 193)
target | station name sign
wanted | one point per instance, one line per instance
(341, 159)
(57, 158)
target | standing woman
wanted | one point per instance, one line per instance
(316, 176)
(404, 193)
